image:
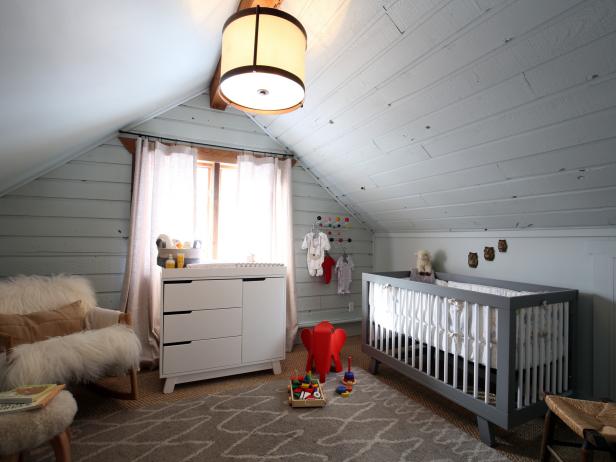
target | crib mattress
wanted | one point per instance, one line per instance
(453, 325)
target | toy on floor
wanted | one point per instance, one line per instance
(323, 343)
(344, 390)
(305, 391)
(349, 377)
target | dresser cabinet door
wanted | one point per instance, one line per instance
(264, 318)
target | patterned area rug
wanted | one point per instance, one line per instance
(376, 423)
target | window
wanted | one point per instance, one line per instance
(216, 209)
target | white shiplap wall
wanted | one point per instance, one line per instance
(463, 114)
(75, 219)
(317, 301)
(195, 121)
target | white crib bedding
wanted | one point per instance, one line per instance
(441, 322)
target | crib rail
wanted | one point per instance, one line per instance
(494, 355)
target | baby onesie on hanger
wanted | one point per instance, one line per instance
(317, 244)
(344, 272)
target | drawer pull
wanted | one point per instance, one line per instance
(253, 279)
(178, 312)
(178, 343)
(187, 281)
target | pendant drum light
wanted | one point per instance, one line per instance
(262, 62)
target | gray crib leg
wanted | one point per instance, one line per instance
(374, 366)
(486, 431)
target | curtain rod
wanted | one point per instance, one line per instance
(203, 145)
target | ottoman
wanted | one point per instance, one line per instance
(29, 429)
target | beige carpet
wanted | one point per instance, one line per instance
(376, 423)
(522, 444)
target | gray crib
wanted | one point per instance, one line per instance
(491, 346)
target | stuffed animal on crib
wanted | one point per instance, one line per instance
(424, 263)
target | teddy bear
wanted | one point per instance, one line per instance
(424, 263)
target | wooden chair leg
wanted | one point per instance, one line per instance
(548, 434)
(587, 452)
(134, 384)
(133, 394)
(61, 445)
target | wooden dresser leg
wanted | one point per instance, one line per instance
(61, 447)
(169, 385)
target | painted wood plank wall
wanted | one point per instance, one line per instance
(317, 301)
(195, 121)
(74, 220)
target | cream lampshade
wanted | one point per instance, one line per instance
(262, 63)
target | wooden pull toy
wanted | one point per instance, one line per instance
(349, 377)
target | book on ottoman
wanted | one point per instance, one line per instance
(28, 397)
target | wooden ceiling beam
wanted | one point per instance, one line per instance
(216, 100)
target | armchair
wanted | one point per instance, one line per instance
(107, 346)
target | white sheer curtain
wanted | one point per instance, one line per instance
(164, 201)
(264, 216)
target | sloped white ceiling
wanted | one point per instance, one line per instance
(462, 114)
(73, 72)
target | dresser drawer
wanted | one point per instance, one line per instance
(203, 324)
(202, 295)
(202, 354)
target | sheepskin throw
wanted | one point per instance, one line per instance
(29, 294)
(82, 357)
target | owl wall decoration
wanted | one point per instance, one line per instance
(488, 253)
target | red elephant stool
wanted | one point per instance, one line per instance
(323, 344)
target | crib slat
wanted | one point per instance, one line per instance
(422, 311)
(519, 321)
(429, 335)
(438, 305)
(528, 359)
(405, 317)
(548, 348)
(413, 326)
(554, 349)
(560, 348)
(456, 345)
(535, 362)
(399, 322)
(542, 337)
(466, 355)
(566, 342)
(488, 355)
(476, 352)
(446, 337)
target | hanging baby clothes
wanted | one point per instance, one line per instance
(317, 244)
(344, 272)
(328, 264)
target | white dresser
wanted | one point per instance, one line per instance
(221, 319)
